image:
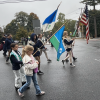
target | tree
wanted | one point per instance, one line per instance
(93, 3)
(69, 26)
(61, 20)
(30, 21)
(22, 18)
(21, 32)
(91, 28)
(11, 27)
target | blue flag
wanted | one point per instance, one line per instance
(56, 40)
(49, 22)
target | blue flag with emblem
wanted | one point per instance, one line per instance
(49, 22)
(56, 40)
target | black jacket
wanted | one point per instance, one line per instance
(36, 46)
(3, 39)
(15, 62)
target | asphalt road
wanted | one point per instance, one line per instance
(60, 82)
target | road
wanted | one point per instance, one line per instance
(60, 82)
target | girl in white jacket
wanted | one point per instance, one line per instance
(30, 69)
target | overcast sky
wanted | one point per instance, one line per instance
(42, 8)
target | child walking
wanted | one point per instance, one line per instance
(16, 60)
(30, 69)
(42, 47)
(68, 45)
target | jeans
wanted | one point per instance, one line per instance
(28, 82)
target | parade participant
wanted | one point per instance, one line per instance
(42, 47)
(16, 60)
(8, 42)
(74, 58)
(33, 42)
(3, 43)
(68, 45)
(30, 69)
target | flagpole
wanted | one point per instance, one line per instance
(57, 30)
(37, 50)
(59, 4)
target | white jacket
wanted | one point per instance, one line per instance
(28, 66)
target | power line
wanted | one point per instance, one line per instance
(72, 12)
(19, 1)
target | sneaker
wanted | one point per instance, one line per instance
(20, 94)
(42, 93)
(72, 65)
(74, 58)
(49, 60)
(40, 73)
(63, 61)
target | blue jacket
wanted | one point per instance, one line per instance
(7, 44)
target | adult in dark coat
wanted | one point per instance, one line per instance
(7, 47)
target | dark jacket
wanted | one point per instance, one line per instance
(36, 46)
(15, 62)
(68, 43)
(8, 42)
(3, 39)
(41, 45)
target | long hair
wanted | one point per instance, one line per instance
(65, 34)
(25, 49)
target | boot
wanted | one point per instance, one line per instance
(74, 58)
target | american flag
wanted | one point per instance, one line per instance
(85, 20)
